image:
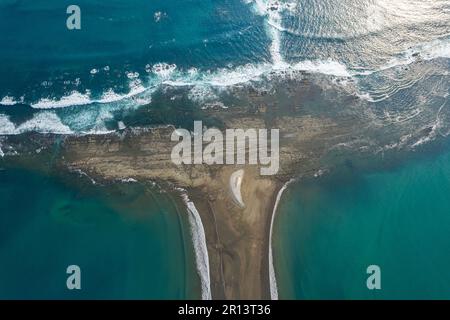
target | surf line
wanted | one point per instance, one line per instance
(272, 277)
(199, 241)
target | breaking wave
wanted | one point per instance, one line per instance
(204, 84)
(76, 98)
(272, 277)
(43, 122)
(199, 241)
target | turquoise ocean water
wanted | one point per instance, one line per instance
(147, 62)
(128, 243)
(329, 230)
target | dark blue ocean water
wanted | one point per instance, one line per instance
(44, 59)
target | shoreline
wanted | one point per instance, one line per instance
(238, 239)
(273, 286)
(198, 239)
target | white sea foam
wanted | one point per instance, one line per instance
(1, 152)
(327, 67)
(206, 85)
(258, 6)
(75, 98)
(199, 241)
(265, 7)
(43, 122)
(163, 69)
(132, 75)
(227, 77)
(203, 84)
(272, 277)
(8, 101)
(275, 46)
(238, 75)
(272, 11)
(6, 126)
(136, 87)
(111, 96)
(439, 48)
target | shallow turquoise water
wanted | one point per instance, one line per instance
(328, 231)
(128, 244)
